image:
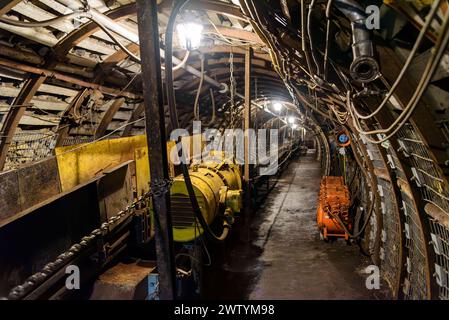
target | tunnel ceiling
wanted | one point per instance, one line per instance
(69, 82)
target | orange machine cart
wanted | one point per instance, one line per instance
(333, 208)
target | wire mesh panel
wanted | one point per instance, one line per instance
(417, 279)
(29, 147)
(429, 179)
(416, 287)
(440, 240)
(373, 227)
(391, 241)
(70, 141)
(425, 170)
(390, 234)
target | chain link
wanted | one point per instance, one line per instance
(232, 87)
(157, 189)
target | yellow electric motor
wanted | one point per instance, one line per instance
(217, 187)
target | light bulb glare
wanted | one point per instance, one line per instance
(189, 35)
(277, 106)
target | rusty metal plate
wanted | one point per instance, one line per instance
(115, 190)
(38, 182)
(9, 195)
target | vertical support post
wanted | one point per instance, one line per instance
(157, 146)
(247, 142)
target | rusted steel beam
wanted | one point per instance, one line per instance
(226, 49)
(103, 68)
(107, 117)
(220, 7)
(222, 74)
(237, 34)
(69, 79)
(89, 28)
(205, 5)
(15, 114)
(21, 55)
(138, 111)
(157, 146)
(6, 5)
(64, 127)
(32, 58)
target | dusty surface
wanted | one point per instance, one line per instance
(285, 259)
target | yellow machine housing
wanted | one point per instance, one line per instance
(216, 185)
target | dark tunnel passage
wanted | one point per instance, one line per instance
(285, 258)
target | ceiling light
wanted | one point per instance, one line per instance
(189, 35)
(291, 120)
(277, 106)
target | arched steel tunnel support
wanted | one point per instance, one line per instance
(31, 86)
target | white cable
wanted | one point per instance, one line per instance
(196, 109)
(410, 57)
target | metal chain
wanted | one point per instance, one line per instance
(157, 189)
(232, 87)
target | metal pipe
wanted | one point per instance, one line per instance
(364, 67)
(247, 126)
(33, 58)
(69, 79)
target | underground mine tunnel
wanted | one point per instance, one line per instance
(218, 149)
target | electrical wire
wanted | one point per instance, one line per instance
(212, 99)
(303, 39)
(196, 108)
(86, 14)
(309, 33)
(175, 123)
(131, 55)
(231, 42)
(407, 63)
(46, 23)
(428, 72)
(101, 138)
(328, 27)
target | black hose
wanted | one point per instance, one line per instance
(175, 123)
(311, 41)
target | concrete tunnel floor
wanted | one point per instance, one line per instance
(284, 257)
